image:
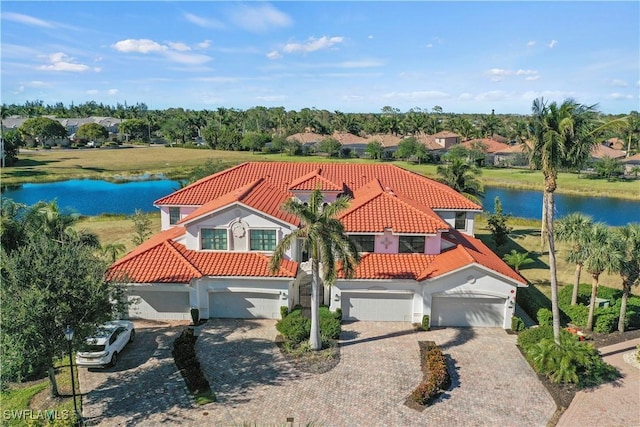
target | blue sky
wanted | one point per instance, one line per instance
(349, 56)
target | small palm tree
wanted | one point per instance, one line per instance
(560, 361)
(629, 236)
(323, 236)
(517, 259)
(112, 250)
(604, 253)
(572, 229)
(461, 176)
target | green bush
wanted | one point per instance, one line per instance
(330, 327)
(531, 300)
(295, 327)
(425, 322)
(579, 314)
(606, 323)
(533, 336)
(545, 317)
(284, 311)
(517, 324)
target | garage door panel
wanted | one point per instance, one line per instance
(467, 312)
(244, 305)
(159, 305)
(377, 306)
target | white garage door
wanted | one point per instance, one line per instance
(244, 305)
(159, 305)
(387, 307)
(467, 311)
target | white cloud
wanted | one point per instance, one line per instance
(552, 44)
(367, 63)
(93, 92)
(553, 95)
(499, 74)
(26, 19)
(203, 22)
(59, 61)
(138, 45)
(416, 95)
(531, 43)
(260, 18)
(526, 72)
(274, 54)
(186, 58)
(619, 96)
(465, 96)
(203, 44)
(532, 78)
(429, 45)
(493, 95)
(112, 91)
(312, 44)
(179, 46)
(619, 83)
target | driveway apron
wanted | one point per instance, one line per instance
(379, 367)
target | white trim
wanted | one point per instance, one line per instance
(482, 267)
(469, 294)
(159, 287)
(376, 291)
(249, 290)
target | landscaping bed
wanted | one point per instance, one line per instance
(436, 376)
(184, 355)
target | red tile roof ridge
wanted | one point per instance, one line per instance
(178, 253)
(317, 173)
(155, 240)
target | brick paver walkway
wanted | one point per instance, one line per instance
(378, 369)
(612, 404)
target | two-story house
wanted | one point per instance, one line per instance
(415, 235)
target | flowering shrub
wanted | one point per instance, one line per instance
(436, 374)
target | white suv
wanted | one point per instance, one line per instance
(102, 348)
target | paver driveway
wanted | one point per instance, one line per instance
(378, 369)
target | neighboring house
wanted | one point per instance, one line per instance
(512, 155)
(355, 143)
(490, 146)
(418, 253)
(389, 142)
(71, 125)
(446, 139)
(601, 151)
(631, 163)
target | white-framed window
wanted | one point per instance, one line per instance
(461, 221)
(411, 244)
(364, 242)
(174, 215)
(213, 239)
(262, 240)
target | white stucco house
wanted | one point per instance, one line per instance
(418, 253)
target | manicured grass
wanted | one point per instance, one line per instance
(116, 228)
(57, 165)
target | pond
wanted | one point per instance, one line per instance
(93, 197)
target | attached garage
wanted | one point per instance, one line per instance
(467, 311)
(244, 305)
(158, 304)
(379, 306)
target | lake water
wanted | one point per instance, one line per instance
(92, 197)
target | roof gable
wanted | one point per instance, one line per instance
(312, 181)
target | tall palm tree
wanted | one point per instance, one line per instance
(323, 236)
(629, 236)
(557, 131)
(572, 229)
(461, 176)
(604, 253)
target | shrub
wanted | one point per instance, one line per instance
(531, 300)
(533, 336)
(606, 323)
(517, 324)
(295, 327)
(184, 355)
(284, 311)
(436, 376)
(330, 327)
(579, 314)
(425, 322)
(545, 317)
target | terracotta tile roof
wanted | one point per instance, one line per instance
(376, 209)
(392, 266)
(307, 137)
(387, 140)
(632, 159)
(346, 138)
(167, 261)
(281, 175)
(314, 180)
(491, 145)
(445, 134)
(601, 151)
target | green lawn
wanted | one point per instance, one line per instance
(56, 165)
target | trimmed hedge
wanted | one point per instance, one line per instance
(545, 317)
(296, 328)
(184, 355)
(517, 324)
(436, 375)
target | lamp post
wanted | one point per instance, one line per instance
(68, 334)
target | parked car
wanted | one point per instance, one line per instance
(103, 347)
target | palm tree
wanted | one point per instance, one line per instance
(112, 250)
(517, 259)
(323, 236)
(629, 236)
(556, 132)
(604, 253)
(572, 229)
(461, 176)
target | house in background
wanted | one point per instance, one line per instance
(415, 235)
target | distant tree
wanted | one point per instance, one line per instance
(608, 168)
(12, 141)
(406, 148)
(497, 223)
(293, 147)
(457, 152)
(461, 176)
(437, 109)
(330, 146)
(92, 132)
(209, 167)
(135, 129)
(141, 227)
(374, 150)
(42, 129)
(112, 250)
(477, 153)
(254, 141)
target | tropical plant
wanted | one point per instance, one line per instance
(603, 253)
(112, 250)
(517, 259)
(374, 150)
(329, 248)
(461, 176)
(562, 136)
(629, 268)
(608, 168)
(92, 132)
(41, 129)
(573, 229)
(141, 226)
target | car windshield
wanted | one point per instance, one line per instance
(91, 348)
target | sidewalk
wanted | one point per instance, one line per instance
(612, 404)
